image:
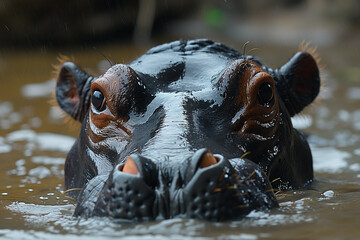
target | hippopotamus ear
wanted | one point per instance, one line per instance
(73, 90)
(298, 82)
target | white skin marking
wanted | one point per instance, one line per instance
(102, 164)
(169, 138)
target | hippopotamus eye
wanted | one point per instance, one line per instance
(265, 94)
(98, 100)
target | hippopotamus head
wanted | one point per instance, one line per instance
(191, 128)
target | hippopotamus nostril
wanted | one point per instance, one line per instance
(138, 166)
(130, 191)
(129, 167)
(207, 160)
(203, 160)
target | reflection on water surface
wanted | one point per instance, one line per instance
(34, 142)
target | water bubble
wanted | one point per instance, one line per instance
(329, 159)
(344, 115)
(40, 172)
(21, 135)
(45, 160)
(15, 117)
(5, 148)
(329, 194)
(20, 162)
(5, 109)
(355, 167)
(302, 121)
(5, 124)
(35, 122)
(36, 90)
(353, 93)
(55, 114)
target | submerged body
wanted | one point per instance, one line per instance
(150, 128)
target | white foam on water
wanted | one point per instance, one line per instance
(36, 90)
(42, 141)
(60, 224)
(31, 234)
(242, 236)
(261, 219)
(21, 135)
(5, 148)
(45, 160)
(5, 109)
(353, 93)
(39, 172)
(355, 167)
(54, 142)
(329, 194)
(302, 121)
(329, 159)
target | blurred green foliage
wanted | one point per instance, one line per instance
(215, 17)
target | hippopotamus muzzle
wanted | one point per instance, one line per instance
(206, 187)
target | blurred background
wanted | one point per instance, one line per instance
(80, 22)
(33, 34)
(85, 24)
(39, 25)
(276, 28)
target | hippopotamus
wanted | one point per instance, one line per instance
(191, 129)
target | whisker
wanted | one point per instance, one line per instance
(252, 174)
(253, 49)
(237, 177)
(242, 206)
(240, 182)
(276, 179)
(73, 199)
(241, 194)
(244, 47)
(275, 189)
(278, 192)
(102, 54)
(217, 190)
(222, 177)
(245, 154)
(281, 197)
(72, 189)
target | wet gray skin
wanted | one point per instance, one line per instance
(191, 129)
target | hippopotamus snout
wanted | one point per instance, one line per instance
(207, 187)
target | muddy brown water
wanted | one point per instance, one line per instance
(34, 141)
